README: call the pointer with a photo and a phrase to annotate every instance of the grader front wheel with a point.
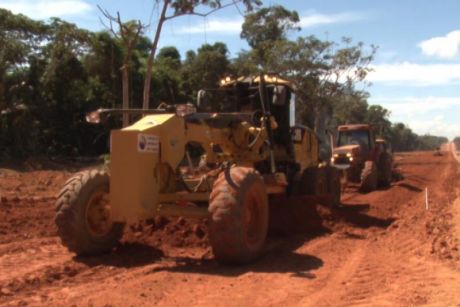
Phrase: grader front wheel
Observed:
(83, 215)
(239, 210)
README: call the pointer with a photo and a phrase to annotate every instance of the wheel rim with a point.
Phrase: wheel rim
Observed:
(252, 217)
(98, 214)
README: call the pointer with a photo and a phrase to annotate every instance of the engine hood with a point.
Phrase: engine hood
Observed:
(346, 149)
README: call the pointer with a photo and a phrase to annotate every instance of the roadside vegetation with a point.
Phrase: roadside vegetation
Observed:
(52, 73)
(457, 142)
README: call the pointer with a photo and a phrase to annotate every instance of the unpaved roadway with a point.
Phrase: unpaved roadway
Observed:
(384, 248)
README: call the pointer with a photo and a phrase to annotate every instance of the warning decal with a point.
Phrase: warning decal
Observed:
(148, 143)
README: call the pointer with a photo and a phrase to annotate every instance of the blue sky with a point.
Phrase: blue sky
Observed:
(416, 70)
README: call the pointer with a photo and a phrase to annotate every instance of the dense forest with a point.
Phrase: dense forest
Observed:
(52, 73)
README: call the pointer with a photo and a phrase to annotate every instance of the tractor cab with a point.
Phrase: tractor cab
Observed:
(238, 100)
(242, 95)
(359, 137)
(355, 144)
(366, 160)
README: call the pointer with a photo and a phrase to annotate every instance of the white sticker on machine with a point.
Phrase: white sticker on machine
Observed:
(148, 143)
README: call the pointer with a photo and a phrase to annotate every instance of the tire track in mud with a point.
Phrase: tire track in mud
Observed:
(390, 274)
(376, 252)
(32, 266)
(396, 268)
(334, 281)
(384, 272)
(20, 262)
(48, 273)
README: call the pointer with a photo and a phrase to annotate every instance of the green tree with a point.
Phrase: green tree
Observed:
(181, 8)
(20, 37)
(128, 34)
(204, 69)
(321, 71)
(456, 141)
(167, 76)
(266, 27)
(377, 116)
(102, 64)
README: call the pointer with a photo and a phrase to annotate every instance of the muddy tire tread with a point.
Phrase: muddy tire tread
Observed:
(71, 225)
(226, 208)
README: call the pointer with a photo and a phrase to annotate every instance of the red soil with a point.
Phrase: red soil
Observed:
(381, 248)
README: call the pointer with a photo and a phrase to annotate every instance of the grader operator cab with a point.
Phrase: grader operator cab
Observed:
(221, 166)
(366, 160)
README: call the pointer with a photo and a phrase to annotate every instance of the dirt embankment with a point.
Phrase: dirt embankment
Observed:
(382, 248)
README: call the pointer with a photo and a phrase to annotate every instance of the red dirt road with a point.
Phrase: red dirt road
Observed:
(382, 249)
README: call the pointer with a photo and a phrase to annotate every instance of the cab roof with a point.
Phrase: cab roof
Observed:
(354, 127)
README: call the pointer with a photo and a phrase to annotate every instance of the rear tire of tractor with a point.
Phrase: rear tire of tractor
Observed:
(83, 215)
(369, 177)
(239, 215)
(335, 186)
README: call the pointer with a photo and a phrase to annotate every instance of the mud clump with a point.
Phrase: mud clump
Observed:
(163, 233)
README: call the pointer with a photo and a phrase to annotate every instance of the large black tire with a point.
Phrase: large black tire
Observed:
(353, 173)
(385, 170)
(239, 209)
(335, 186)
(369, 177)
(83, 215)
(313, 181)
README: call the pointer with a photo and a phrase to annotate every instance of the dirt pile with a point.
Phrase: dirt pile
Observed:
(162, 232)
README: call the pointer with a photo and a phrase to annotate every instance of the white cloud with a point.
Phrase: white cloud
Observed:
(42, 9)
(412, 106)
(444, 47)
(424, 115)
(435, 127)
(233, 25)
(411, 74)
(313, 19)
(223, 26)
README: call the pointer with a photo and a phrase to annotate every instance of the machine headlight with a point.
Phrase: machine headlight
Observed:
(336, 155)
(349, 155)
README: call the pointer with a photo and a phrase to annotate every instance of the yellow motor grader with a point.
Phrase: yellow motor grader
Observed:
(221, 166)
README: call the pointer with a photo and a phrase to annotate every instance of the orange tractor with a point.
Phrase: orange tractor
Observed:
(365, 160)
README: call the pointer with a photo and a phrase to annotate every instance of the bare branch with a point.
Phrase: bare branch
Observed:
(111, 19)
(237, 7)
(106, 14)
(121, 26)
(109, 28)
(203, 14)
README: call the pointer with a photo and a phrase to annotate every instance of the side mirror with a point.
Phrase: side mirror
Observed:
(199, 97)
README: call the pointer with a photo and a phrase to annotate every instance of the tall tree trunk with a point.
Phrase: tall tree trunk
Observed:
(113, 76)
(148, 74)
(125, 80)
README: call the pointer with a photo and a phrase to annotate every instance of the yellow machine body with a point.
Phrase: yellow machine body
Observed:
(145, 159)
(135, 153)
(220, 164)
